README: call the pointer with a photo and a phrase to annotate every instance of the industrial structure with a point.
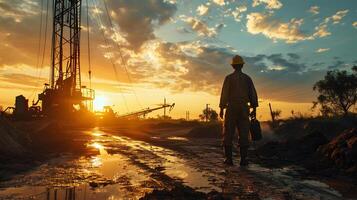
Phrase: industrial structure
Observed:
(65, 90)
(65, 94)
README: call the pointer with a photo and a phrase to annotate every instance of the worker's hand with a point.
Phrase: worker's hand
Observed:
(253, 114)
(221, 114)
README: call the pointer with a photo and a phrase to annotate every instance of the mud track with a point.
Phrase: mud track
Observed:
(157, 164)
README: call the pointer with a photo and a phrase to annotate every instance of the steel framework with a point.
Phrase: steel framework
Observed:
(66, 44)
(65, 89)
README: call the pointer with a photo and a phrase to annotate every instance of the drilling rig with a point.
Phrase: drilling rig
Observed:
(65, 93)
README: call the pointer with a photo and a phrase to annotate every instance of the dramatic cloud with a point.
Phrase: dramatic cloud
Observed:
(337, 64)
(269, 4)
(17, 10)
(237, 13)
(321, 31)
(137, 18)
(321, 50)
(22, 76)
(201, 27)
(194, 66)
(336, 18)
(202, 10)
(219, 2)
(259, 23)
(314, 10)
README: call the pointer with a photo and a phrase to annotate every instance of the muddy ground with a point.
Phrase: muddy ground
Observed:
(149, 161)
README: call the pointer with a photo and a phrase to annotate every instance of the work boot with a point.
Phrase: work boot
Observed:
(243, 156)
(228, 155)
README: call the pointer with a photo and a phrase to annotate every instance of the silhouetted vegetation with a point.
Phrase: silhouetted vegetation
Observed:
(209, 115)
(338, 92)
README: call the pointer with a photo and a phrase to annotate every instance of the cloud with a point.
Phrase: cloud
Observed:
(288, 65)
(314, 10)
(195, 66)
(17, 10)
(336, 18)
(337, 64)
(137, 18)
(21, 76)
(321, 50)
(269, 4)
(290, 32)
(321, 31)
(201, 27)
(237, 13)
(259, 23)
(202, 10)
(219, 2)
(354, 24)
(293, 56)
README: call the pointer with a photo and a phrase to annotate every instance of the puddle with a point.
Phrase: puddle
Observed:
(172, 165)
(177, 138)
(127, 169)
(289, 179)
(108, 176)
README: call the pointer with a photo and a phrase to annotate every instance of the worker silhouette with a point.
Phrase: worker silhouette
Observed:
(238, 90)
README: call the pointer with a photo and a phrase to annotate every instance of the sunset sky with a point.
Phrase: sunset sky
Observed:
(181, 49)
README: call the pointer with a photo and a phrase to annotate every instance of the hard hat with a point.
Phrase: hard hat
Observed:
(237, 59)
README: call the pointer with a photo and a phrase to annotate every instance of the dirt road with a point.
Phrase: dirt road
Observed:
(159, 165)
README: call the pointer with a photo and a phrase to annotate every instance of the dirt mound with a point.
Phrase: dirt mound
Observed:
(330, 127)
(12, 140)
(294, 149)
(342, 151)
(206, 131)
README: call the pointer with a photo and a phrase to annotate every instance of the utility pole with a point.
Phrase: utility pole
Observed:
(187, 115)
(272, 114)
(164, 107)
(207, 109)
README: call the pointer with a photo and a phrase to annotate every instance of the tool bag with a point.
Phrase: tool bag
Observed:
(255, 130)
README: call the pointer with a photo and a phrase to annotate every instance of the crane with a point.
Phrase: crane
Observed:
(145, 111)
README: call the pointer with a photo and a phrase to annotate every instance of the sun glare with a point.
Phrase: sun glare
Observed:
(99, 102)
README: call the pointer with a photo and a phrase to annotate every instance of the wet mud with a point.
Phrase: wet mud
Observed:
(159, 164)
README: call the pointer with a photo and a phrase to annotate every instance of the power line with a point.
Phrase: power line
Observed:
(39, 47)
(100, 24)
(89, 53)
(121, 55)
(39, 71)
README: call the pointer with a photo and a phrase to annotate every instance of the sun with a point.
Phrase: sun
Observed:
(99, 102)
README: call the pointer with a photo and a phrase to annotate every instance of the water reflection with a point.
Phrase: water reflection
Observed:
(120, 170)
(67, 194)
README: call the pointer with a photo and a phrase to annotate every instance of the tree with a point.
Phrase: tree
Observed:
(210, 114)
(337, 92)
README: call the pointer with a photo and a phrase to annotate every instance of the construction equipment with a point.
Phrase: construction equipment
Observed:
(65, 91)
(144, 112)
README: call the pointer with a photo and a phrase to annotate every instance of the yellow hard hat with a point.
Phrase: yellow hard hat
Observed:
(237, 59)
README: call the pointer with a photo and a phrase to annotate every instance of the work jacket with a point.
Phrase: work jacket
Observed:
(238, 89)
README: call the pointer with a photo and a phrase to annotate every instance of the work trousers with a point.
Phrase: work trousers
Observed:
(236, 118)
